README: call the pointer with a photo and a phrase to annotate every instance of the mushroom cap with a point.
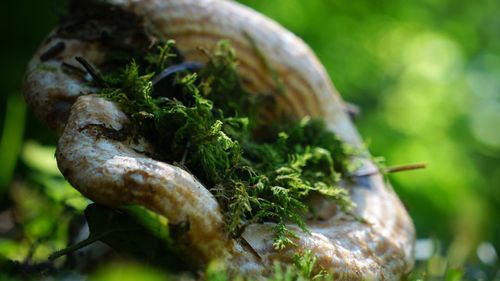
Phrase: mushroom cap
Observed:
(101, 160)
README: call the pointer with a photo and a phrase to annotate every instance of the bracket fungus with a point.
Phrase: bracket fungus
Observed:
(102, 159)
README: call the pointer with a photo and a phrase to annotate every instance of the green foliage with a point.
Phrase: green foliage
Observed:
(160, 58)
(206, 122)
(44, 205)
(380, 55)
(306, 263)
(11, 138)
(304, 268)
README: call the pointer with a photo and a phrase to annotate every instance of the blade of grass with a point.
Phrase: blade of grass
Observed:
(11, 138)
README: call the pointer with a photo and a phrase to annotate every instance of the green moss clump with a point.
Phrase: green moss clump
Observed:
(206, 122)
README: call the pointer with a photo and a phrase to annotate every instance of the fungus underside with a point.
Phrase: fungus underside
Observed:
(206, 122)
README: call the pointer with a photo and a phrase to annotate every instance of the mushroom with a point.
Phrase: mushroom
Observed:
(98, 157)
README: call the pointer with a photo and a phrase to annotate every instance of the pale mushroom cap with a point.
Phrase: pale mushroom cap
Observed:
(115, 171)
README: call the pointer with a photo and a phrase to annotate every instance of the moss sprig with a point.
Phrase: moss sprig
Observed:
(209, 123)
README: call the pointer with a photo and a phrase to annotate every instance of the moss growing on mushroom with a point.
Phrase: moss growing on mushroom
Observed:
(206, 122)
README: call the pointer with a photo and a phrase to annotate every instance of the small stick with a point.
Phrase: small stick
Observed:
(89, 240)
(393, 169)
(402, 168)
(91, 70)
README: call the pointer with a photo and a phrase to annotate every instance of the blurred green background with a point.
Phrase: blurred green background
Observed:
(426, 75)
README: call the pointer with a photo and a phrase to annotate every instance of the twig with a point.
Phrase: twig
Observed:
(393, 169)
(91, 70)
(75, 247)
(402, 168)
(91, 239)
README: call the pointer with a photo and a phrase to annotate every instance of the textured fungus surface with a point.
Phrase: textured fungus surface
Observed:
(100, 159)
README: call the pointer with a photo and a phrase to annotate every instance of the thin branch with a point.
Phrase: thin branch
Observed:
(91, 239)
(76, 246)
(402, 168)
(391, 170)
(91, 70)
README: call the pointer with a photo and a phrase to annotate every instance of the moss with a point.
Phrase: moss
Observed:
(206, 122)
